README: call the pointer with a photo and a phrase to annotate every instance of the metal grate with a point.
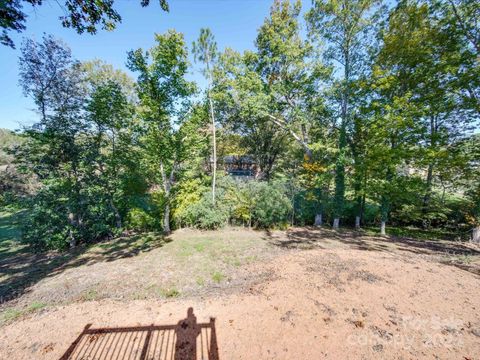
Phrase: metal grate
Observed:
(186, 340)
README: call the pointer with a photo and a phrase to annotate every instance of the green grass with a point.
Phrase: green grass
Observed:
(170, 293)
(90, 295)
(415, 233)
(136, 243)
(10, 233)
(217, 277)
(12, 314)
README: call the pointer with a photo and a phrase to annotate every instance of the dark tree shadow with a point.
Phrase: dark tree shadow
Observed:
(310, 238)
(24, 269)
(187, 340)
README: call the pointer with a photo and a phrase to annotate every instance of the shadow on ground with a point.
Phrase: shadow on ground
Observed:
(309, 238)
(186, 340)
(21, 269)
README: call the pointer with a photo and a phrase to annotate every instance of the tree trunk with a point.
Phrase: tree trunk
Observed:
(167, 182)
(72, 240)
(433, 142)
(214, 149)
(357, 222)
(476, 235)
(384, 209)
(340, 176)
(336, 223)
(428, 191)
(166, 219)
(342, 143)
(318, 220)
(118, 218)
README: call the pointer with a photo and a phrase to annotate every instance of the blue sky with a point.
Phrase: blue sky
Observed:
(233, 22)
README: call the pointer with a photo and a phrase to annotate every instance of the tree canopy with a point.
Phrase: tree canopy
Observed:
(353, 113)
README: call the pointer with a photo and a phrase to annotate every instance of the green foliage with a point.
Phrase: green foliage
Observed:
(366, 117)
(272, 206)
(259, 204)
(204, 215)
(8, 139)
(81, 15)
(140, 220)
(187, 193)
(217, 277)
(49, 222)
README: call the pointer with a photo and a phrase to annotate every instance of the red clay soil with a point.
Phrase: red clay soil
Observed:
(319, 304)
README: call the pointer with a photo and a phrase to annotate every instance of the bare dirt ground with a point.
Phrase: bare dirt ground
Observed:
(301, 294)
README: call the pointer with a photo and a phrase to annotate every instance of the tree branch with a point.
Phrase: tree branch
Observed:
(283, 125)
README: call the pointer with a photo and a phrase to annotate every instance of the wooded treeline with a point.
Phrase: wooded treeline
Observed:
(356, 114)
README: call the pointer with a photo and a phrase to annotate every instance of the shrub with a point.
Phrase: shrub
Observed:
(272, 206)
(204, 215)
(139, 219)
(50, 224)
(186, 194)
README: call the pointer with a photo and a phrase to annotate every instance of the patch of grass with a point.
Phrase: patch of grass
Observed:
(133, 244)
(236, 262)
(35, 306)
(185, 251)
(90, 295)
(200, 281)
(415, 233)
(13, 314)
(217, 277)
(170, 293)
(10, 233)
(200, 247)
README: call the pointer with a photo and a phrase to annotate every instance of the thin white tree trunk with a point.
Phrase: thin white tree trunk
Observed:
(382, 228)
(214, 149)
(166, 186)
(72, 240)
(318, 220)
(166, 218)
(476, 235)
(336, 223)
(357, 222)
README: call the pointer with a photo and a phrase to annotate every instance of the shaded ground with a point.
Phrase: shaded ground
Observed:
(304, 293)
(134, 267)
(464, 255)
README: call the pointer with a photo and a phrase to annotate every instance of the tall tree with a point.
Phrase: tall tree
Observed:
(54, 151)
(81, 15)
(205, 51)
(110, 114)
(426, 60)
(163, 92)
(285, 70)
(345, 27)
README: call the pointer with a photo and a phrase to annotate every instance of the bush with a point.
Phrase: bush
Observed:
(49, 223)
(204, 215)
(138, 219)
(260, 204)
(186, 194)
(272, 206)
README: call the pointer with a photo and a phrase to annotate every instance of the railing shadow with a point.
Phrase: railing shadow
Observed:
(187, 340)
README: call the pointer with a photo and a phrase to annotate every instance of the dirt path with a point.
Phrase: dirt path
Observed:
(333, 304)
